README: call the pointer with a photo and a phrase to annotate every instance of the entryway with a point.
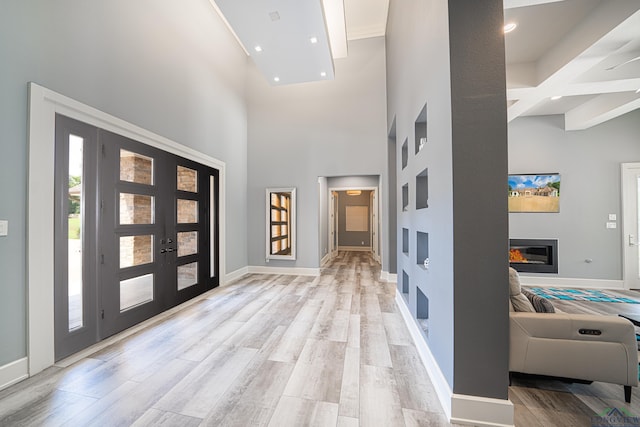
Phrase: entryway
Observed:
(631, 224)
(136, 233)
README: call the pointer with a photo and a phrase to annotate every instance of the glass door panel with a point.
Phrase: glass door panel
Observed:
(136, 209)
(74, 223)
(136, 291)
(187, 243)
(187, 275)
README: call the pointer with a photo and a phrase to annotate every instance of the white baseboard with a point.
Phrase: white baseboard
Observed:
(235, 275)
(443, 390)
(460, 409)
(294, 271)
(567, 282)
(325, 259)
(385, 276)
(481, 411)
(355, 248)
(14, 372)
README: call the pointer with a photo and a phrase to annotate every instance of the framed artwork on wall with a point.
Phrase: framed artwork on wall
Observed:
(534, 193)
(281, 223)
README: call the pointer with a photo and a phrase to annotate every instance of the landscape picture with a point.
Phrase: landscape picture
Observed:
(534, 193)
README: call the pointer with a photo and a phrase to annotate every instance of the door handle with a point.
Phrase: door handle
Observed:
(170, 249)
(631, 240)
(163, 251)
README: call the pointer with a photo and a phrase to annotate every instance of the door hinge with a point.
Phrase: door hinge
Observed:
(101, 204)
(101, 258)
(104, 151)
(102, 314)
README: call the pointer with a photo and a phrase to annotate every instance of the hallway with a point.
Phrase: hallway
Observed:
(270, 350)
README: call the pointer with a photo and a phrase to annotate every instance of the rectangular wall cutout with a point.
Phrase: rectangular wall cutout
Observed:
(405, 285)
(405, 197)
(422, 189)
(422, 242)
(405, 153)
(422, 311)
(421, 130)
(405, 241)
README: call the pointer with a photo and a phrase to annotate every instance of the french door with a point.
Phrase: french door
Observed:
(147, 239)
(631, 224)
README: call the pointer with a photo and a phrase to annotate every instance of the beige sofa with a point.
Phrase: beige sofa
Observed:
(571, 346)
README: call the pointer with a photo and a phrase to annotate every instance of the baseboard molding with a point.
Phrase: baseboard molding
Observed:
(443, 390)
(567, 282)
(14, 372)
(293, 271)
(235, 275)
(355, 248)
(325, 259)
(385, 276)
(481, 411)
(460, 409)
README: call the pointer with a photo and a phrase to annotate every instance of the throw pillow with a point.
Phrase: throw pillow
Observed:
(540, 305)
(521, 303)
(514, 282)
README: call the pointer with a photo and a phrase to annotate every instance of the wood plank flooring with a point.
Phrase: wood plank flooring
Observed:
(268, 350)
(273, 350)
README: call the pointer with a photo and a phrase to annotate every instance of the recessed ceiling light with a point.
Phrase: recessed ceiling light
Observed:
(276, 79)
(510, 27)
(275, 16)
(313, 40)
(323, 74)
(258, 48)
(556, 97)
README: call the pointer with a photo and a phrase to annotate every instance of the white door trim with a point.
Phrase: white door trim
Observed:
(375, 190)
(43, 106)
(630, 231)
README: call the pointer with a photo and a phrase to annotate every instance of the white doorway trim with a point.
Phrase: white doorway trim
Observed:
(43, 106)
(630, 175)
(375, 190)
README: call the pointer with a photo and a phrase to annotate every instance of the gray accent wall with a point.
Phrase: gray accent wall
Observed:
(589, 164)
(449, 56)
(170, 67)
(300, 132)
(353, 238)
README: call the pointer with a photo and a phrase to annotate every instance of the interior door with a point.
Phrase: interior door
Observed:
(631, 224)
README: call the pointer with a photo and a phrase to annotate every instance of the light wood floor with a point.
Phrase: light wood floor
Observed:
(267, 350)
(282, 351)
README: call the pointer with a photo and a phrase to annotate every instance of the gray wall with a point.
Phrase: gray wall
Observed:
(353, 238)
(169, 67)
(300, 132)
(449, 55)
(589, 164)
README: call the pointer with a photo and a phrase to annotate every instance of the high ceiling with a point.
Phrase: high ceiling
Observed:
(581, 50)
(576, 49)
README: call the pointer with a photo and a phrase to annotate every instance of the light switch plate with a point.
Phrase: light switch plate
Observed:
(613, 217)
(4, 227)
(612, 225)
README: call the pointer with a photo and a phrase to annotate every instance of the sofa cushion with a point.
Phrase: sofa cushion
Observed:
(514, 282)
(540, 305)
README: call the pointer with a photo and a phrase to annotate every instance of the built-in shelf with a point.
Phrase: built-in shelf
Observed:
(422, 189)
(405, 197)
(405, 153)
(405, 285)
(405, 241)
(422, 243)
(421, 130)
(422, 311)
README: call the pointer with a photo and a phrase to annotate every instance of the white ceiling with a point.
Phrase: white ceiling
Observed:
(567, 48)
(573, 48)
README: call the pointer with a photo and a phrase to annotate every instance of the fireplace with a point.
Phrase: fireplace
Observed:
(534, 255)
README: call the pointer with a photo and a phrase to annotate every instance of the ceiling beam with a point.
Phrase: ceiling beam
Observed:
(604, 31)
(601, 109)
